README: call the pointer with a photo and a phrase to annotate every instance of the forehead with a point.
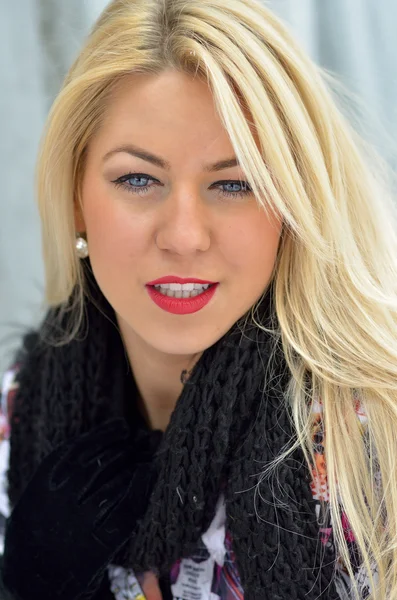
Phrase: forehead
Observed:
(172, 115)
(168, 100)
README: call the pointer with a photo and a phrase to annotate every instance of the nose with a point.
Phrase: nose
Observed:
(184, 226)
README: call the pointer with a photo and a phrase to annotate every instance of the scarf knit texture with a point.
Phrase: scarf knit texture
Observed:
(230, 421)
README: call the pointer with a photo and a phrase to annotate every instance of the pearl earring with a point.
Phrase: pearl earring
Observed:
(81, 247)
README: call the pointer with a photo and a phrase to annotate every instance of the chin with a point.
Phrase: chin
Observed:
(180, 338)
(181, 346)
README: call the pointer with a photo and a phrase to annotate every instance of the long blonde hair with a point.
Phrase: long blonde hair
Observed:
(336, 275)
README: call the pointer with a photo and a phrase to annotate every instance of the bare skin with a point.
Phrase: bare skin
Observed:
(184, 224)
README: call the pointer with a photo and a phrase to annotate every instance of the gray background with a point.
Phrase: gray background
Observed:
(38, 40)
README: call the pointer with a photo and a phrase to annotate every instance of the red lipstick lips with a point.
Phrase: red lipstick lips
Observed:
(175, 279)
(180, 306)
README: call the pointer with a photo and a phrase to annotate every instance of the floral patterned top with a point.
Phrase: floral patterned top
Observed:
(211, 573)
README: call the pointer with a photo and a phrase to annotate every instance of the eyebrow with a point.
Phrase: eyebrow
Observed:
(163, 164)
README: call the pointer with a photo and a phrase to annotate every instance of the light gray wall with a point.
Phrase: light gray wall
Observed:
(38, 41)
(22, 111)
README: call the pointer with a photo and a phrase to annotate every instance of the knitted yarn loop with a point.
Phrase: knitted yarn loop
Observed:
(230, 422)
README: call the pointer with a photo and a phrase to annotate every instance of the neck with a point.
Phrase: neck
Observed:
(157, 376)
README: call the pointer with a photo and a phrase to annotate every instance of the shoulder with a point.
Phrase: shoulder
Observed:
(319, 482)
(8, 389)
(320, 491)
(28, 355)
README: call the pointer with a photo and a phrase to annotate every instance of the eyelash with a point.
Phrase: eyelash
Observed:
(142, 190)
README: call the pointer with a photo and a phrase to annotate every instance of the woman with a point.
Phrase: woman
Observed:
(208, 409)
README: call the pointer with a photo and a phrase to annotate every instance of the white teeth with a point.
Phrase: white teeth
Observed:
(201, 286)
(185, 290)
(185, 287)
(182, 287)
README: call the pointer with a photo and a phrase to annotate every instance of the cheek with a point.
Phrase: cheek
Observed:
(114, 234)
(251, 246)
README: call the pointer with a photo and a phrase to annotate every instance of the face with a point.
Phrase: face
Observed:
(154, 206)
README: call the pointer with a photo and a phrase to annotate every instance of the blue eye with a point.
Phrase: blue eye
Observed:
(138, 183)
(236, 188)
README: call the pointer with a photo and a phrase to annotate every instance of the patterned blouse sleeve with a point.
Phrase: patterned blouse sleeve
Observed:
(321, 494)
(7, 391)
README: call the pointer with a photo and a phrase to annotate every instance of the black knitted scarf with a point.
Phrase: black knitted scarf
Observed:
(229, 423)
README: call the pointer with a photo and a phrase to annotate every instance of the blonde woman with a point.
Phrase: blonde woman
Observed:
(209, 408)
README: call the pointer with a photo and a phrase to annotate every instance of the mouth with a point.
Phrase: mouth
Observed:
(179, 290)
(181, 296)
(180, 287)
